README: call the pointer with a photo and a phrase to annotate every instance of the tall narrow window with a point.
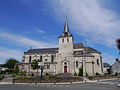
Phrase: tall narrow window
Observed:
(52, 58)
(97, 61)
(76, 63)
(29, 59)
(67, 39)
(40, 57)
(62, 40)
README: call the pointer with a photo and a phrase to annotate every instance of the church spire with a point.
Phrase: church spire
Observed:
(66, 27)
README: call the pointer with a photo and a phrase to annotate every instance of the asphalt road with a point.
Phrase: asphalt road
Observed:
(103, 85)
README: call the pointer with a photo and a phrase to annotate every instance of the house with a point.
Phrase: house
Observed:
(115, 68)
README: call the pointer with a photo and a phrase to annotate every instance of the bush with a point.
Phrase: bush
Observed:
(97, 74)
(80, 71)
(46, 74)
(24, 78)
(87, 74)
(1, 77)
(22, 73)
(51, 76)
(75, 74)
(32, 74)
(14, 75)
(9, 71)
(116, 74)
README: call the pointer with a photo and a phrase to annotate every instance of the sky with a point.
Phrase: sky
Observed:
(38, 23)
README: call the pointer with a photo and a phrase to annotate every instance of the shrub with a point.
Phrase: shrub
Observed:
(14, 75)
(97, 74)
(87, 74)
(9, 71)
(32, 74)
(116, 74)
(80, 71)
(46, 74)
(51, 76)
(1, 77)
(22, 73)
(75, 74)
(24, 78)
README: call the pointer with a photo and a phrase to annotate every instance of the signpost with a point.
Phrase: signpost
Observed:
(41, 65)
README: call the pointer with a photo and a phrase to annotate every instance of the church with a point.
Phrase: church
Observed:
(68, 57)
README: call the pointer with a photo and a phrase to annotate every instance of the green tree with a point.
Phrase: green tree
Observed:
(34, 64)
(11, 64)
(80, 71)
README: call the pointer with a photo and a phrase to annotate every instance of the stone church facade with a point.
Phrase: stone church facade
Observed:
(67, 58)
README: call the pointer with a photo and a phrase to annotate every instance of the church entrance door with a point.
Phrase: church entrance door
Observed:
(65, 69)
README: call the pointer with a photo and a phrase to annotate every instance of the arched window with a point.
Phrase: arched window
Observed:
(52, 58)
(97, 61)
(62, 40)
(29, 59)
(76, 63)
(67, 39)
(40, 57)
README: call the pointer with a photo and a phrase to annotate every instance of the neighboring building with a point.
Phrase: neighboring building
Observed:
(106, 68)
(68, 57)
(2, 68)
(115, 68)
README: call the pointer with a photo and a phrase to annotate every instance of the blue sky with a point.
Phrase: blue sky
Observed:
(38, 23)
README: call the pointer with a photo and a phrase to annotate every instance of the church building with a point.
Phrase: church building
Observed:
(68, 57)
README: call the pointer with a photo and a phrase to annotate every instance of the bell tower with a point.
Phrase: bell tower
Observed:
(66, 40)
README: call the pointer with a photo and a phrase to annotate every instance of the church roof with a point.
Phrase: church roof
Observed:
(42, 51)
(78, 45)
(91, 50)
(55, 50)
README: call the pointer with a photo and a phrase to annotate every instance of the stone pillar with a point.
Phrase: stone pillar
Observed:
(84, 66)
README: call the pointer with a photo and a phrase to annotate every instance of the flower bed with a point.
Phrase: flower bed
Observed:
(46, 80)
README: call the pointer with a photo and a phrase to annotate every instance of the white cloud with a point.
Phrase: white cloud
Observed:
(40, 31)
(98, 24)
(25, 41)
(6, 53)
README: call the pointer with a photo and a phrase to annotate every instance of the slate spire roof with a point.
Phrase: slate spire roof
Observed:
(66, 32)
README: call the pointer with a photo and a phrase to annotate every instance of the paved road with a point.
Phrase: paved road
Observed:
(103, 85)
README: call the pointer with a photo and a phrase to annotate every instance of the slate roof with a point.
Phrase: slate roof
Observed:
(42, 51)
(91, 50)
(78, 45)
(55, 50)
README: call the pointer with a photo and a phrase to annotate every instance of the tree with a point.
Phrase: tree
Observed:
(34, 64)
(11, 64)
(118, 44)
